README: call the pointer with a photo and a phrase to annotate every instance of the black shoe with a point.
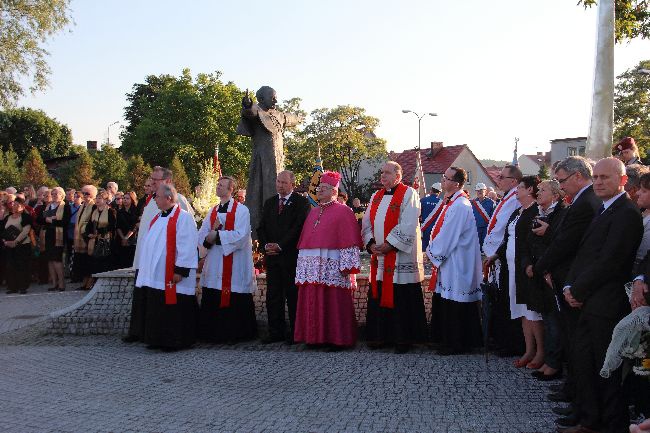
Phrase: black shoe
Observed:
(52, 289)
(567, 421)
(447, 351)
(558, 387)
(402, 348)
(289, 341)
(559, 397)
(23, 292)
(374, 345)
(61, 289)
(130, 339)
(562, 411)
(270, 339)
(549, 377)
(9, 292)
(169, 349)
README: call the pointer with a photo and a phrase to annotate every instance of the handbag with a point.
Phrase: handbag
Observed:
(102, 248)
(10, 233)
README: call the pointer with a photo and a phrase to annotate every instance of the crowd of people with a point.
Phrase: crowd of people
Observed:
(551, 259)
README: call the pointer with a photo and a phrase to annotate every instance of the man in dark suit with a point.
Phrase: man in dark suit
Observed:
(574, 175)
(595, 285)
(283, 216)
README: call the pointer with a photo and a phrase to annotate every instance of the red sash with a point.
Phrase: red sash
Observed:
(148, 199)
(170, 256)
(226, 276)
(480, 209)
(390, 221)
(429, 221)
(493, 221)
(434, 233)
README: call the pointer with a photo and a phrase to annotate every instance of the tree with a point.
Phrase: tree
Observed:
(346, 138)
(186, 117)
(110, 166)
(9, 171)
(34, 171)
(543, 172)
(25, 27)
(78, 172)
(139, 172)
(25, 128)
(181, 182)
(206, 191)
(632, 106)
(632, 18)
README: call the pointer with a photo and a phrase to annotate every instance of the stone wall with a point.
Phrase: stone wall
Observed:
(106, 309)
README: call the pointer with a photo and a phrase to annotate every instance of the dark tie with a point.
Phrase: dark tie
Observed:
(281, 205)
(601, 209)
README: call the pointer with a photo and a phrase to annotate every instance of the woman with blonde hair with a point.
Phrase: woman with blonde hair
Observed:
(53, 220)
(99, 232)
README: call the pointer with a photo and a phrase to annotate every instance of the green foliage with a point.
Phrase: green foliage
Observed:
(9, 170)
(25, 128)
(78, 172)
(632, 18)
(185, 117)
(34, 171)
(181, 182)
(632, 106)
(543, 172)
(110, 166)
(25, 27)
(206, 191)
(139, 171)
(346, 138)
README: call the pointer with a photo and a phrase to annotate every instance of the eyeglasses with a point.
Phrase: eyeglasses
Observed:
(323, 188)
(504, 177)
(561, 181)
(449, 179)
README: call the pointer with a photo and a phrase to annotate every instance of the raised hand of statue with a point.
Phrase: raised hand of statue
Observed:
(246, 101)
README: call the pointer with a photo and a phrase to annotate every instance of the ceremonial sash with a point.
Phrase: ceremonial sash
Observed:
(226, 276)
(100, 219)
(390, 221)
(479, 208)
(170, 256)
(433, 216)
(58, 231)
(434, 233)
(148, 199)
(493, 221)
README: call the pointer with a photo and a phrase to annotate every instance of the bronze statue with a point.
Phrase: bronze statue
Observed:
(265, 125)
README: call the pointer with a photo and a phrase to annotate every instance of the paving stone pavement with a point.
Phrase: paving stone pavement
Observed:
(99, 384)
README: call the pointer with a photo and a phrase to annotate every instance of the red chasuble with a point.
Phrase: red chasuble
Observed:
(226, 276)
(170, 256)
(390, 221)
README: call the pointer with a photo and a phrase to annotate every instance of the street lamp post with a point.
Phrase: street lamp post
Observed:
(419, 124)
(108, 132)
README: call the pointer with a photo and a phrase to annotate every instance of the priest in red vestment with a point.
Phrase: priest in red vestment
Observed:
(328, 256)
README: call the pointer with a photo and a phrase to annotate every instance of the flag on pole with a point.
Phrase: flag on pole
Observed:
(418, 177)
(315, 180)
(216, 167)
(515, 159)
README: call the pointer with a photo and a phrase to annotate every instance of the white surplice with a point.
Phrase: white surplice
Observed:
(494, 238)
(405, 236)
(455, 251)
(153, 253)
(236, 242)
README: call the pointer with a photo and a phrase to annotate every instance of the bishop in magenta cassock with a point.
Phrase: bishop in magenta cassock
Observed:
(328, 256)
(456, 256)
(227, 310)
(168, 261)
(391, 233)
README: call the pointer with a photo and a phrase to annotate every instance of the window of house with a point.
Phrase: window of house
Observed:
(581, 151)
(571, 151)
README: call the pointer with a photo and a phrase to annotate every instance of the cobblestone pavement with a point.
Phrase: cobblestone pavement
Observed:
(87, 384)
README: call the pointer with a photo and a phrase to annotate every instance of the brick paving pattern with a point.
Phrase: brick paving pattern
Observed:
(96, 383)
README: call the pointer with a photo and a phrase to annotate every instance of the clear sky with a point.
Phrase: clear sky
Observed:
(491, 70)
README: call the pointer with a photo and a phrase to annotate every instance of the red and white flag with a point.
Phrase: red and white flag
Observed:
(418, 177)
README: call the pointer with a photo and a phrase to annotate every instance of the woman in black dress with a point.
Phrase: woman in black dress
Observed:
(99, 232)
(15, 230)
(54, 220)
(127, 235)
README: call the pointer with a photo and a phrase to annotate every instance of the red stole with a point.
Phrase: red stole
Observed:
(479, 208)
(148, 199)
(170, 256)
(390, 221)
(226, 276)
(434, 233)
(493, 221)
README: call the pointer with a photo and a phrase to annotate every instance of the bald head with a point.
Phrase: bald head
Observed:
(609, 178)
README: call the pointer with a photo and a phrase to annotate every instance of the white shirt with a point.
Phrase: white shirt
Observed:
(580, 192)
(608, 203)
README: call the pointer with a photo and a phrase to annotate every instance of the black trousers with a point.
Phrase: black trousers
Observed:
(406, 323)
(18, 267)
(138, 312)
(601, 402)
(281, 287)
